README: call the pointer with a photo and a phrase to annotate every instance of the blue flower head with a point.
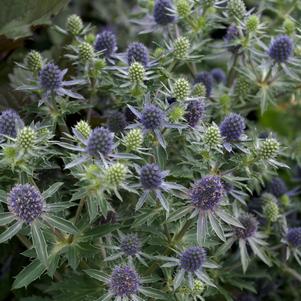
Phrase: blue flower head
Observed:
(281, 48)
(206, 79)
(293, 237)
(130, 245)
(195, 111)
(151, 176)
(192, 259)
(26, 202)
(100, 142)
(8, 120)
(124, 282)
(106, 42)
(137, 52)
(207, 193)
(162, 13)
(232, 127)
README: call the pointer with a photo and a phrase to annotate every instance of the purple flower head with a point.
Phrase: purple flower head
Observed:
(232, 127)
(152, 117)
(281, 48)
(116, 122)
(230, 37)
(130, 245)
(124, 282)
(218, 75)
(206, 79)
(8, 120)
(151, 177)
(162, 14)
(207, 193)
(106, 42)
(137, 52)
(192, 259)
(277, 187)
(99, 142)
(51, 77)
(293, 237)
(250, 224)
(195, 110)
(26, 202)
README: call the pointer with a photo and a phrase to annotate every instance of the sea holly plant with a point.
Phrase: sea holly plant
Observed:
(170, 130)
(27, 207)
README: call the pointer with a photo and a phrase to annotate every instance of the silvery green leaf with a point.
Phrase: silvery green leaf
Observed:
(217, 228)
(179, 278)
(153, 293)
(98, 275)
(227, 218)
(39, 243)
(30, 273)
(52, 190)
(204, 277)
(260, 253)
(6, 218)
(61, 224)
(11, 231)
(243, 255)
(201, 228)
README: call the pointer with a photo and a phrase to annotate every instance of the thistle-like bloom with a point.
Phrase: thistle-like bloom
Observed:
(194, 112)
(137, 52)
(250, 227)
(26, 202)
(152, 181)
(192, 262)
(130, 245)
(231, 38)
(281, 49)
(206, 79)
(293, 237)
(206, 200)
(236, 10)
(218, 75)
(232, 127)
(106, 42)
(248, 235)
(124, 282)
(277, 187)
(99, 145)
(74, 24)
(9, 121)
(163, 12)
(116, 122)
(27, 205)
(51, 81)
(100, 142)
(34, 61)
(207, 193)
(153, 119)
(192, 259)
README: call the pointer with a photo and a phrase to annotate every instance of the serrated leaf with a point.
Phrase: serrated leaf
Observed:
(61, 224)
(52, 190)
(6, 218)
(154, 293)
(98, 275)
(29, 274)
(11, 231)
(39, 243)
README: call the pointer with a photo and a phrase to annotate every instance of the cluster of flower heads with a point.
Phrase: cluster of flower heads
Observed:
(159, 123)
